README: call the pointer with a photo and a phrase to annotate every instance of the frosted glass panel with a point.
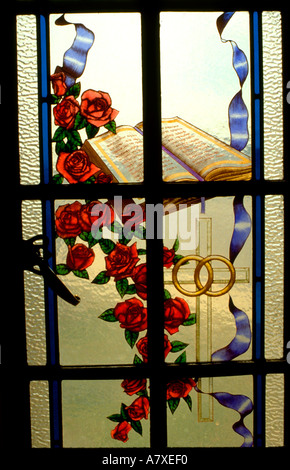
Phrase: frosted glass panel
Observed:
(207, 322)
(34, 290)
(200, 90)
(273, 94)
(186, 428)
(27, 70)
(274, 410)
(108, 276)
(274, 276)
(97, 104)
(88, 404)
(39, 409)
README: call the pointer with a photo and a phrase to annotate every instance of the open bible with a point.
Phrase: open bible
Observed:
(188, 154)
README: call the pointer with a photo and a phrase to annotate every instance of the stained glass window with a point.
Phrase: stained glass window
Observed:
(149, 190)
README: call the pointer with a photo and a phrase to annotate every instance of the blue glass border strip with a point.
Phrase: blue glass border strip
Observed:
(256, 53)
(43, 55)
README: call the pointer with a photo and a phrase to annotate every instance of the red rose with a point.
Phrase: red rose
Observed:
(142, 347)
(139, 409)
(76, 167)
(168, 256)
(120, 263)
(96, 108)
(179, 388)
(133, 386)
(89, 214)
(121, 431)
(67, 220)
(176, 311)
(58, 83)
(65, 112)
(131, 314)
(103, 178)
(79, 257)
(139, 277)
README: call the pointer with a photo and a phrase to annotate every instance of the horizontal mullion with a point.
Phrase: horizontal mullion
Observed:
(166, 372)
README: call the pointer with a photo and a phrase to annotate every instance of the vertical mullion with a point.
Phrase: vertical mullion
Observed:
(152, 182)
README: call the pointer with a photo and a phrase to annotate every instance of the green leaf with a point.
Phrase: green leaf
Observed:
(181, 359)
(137, 360)
(101, 278)
(111, 126)
(117, 418)
(108, 316)
(173, 404)
(140, 232)
(137, 426)
(121, 286)
(167, 294)
(191, 320)
(57, 179)
(62, 269)
(92, 241)
(82, 274)
(116, 227)
(91, 131)
(80, 122)
(74, 90)
(74, 139)
(124, 240)
(55, 99)
(107, 245)
(141, 251)
(176, 245)
(59, 134)
(188, 401)
(131, 289)
(123, 412)
(177, 258)
(131, 337)
(69, 241)
(178, 346)
(62, 147)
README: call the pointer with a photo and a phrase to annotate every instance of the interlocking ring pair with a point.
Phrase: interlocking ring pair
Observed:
(203, 262)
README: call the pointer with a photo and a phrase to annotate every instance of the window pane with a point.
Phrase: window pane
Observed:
(87, 406)
(27, 75)
(101, 257)
(275, 410)
(98, 101)
(204, 416)
(273, 94)
(39, 409)
(274, 276)
(200, 90)
(34, 290)
(215, 323)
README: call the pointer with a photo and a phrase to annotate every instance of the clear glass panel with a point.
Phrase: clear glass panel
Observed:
(274, 276)
(97, 97)
(201, 413)
(39, 409)
(208, 280)
(101, 257)
(205, 109)
(275, 410)
(34, 290)
(100, 414)
(273, 94)
(27, 78)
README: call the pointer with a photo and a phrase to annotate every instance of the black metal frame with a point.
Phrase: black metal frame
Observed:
(16, 374)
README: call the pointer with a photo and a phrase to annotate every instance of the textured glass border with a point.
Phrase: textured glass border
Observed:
(27, 83)
(39, 414)
(274, 410)
(273, 94)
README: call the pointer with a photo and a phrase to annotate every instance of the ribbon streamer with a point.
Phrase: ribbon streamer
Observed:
(75, 58)
(242, 228)
(240, 403)
(238, 113)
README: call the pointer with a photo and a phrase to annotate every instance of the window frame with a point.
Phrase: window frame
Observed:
(16, 373)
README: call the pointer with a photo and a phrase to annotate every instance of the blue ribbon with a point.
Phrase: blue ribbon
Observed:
(238, 113)
(240, 403)
(75, 58)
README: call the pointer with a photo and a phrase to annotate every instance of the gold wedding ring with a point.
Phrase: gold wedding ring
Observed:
(204, 262)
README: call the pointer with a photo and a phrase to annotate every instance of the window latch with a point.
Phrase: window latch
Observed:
(35, 257)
